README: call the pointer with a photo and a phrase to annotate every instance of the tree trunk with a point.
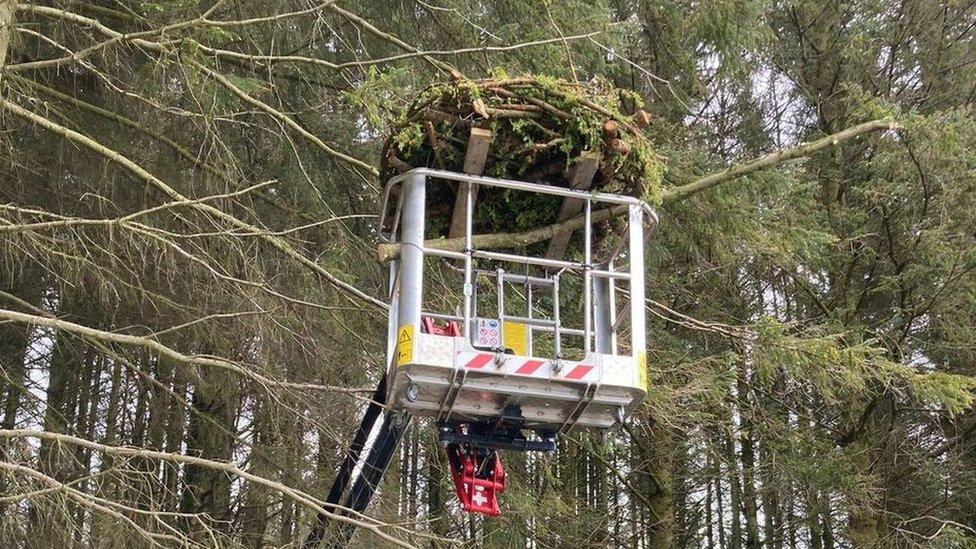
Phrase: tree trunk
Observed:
(436, 494)
(7, 9)
(719, 507)
(290, 474)
(708, 509)
(109, 462)
(601, 474)
(864, 528)
(413, 494)
(772, 513)
(14, 340)
(254, 515)
(13, 346)
(87, 408)
(748, 461)
(662, 501)
(873, 457)
(791, 525)
(174, 439)
(735, 491)
(68, 358)
(827, 529)
(207, 491)
(403, 485)
(813, 519)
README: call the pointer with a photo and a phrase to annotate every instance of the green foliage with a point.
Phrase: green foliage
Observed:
(847, 373)
(816, 463)
(541, 126)
(952, 536)
(248, 84)
(953, 393)
(812, 334)
(589, 108)
(376, 96)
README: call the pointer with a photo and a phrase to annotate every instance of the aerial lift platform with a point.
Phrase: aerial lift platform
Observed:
(515, 376)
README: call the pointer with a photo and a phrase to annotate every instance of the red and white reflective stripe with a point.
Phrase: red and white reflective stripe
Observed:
(574, 372)
(579, 372)
(529, 367)
(479, 361)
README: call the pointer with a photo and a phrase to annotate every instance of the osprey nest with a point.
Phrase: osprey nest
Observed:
(535, 129)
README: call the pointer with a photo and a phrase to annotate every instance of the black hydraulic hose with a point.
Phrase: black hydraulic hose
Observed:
(380, 455)
(349, 462)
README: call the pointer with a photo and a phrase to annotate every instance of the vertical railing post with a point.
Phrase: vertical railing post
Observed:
(638, 341)
(557, 337)
(469, 292)
(612, 300)
(501, 307)
(528, 314)
(587, 280)
(602, 314)
(412, 252)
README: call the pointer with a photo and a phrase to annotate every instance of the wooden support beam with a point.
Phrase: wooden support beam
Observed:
(580, 179)
(474, 163)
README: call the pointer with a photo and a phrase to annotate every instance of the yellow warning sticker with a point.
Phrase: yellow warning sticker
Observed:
(642, 370)
(404, 346)
(516, 337)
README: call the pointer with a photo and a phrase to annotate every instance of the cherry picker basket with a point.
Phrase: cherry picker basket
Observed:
(504, 379)
(494, 362)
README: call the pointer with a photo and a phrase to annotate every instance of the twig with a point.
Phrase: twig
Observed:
(387, 252)
(804, 149)
(157, 347)
(295, 494)
(141, 173)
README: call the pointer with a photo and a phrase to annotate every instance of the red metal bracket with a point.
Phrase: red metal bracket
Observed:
(478, 478)
(429, 326)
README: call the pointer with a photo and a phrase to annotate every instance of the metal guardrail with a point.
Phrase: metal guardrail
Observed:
(410, 210)
(597, 197)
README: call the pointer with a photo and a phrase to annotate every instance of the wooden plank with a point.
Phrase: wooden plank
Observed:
(580, 178)
(474, 163)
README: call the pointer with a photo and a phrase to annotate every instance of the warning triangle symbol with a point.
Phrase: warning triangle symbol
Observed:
(404, 337)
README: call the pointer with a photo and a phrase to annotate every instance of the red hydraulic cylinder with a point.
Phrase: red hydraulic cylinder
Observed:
(478, 481)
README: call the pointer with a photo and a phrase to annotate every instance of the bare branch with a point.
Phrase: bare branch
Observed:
(153, 345)
(164, 49)
(87, 500)
(285, 119)
(392, 39)
(137, 170)
(387, 252)
(269, 19)
(295, 494)
(768, 161)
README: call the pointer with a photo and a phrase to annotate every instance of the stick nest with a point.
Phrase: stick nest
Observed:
(541, 128)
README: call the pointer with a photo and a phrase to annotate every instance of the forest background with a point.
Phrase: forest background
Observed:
(192, 314)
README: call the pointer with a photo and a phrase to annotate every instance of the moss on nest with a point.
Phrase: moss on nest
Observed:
(541, 127)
